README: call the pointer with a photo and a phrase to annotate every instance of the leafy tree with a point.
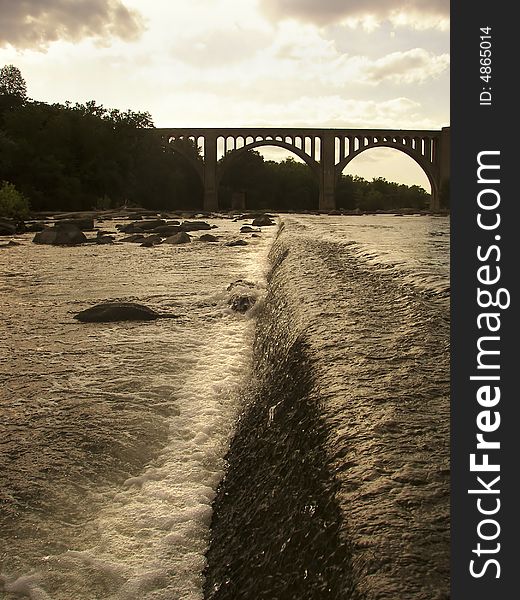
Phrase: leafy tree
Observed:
(13, 204)
(12, 83)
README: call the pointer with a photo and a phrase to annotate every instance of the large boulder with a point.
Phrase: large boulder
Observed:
(82, 223)
(263, 221)
(119, 311)
(179, 238)
(69, 235)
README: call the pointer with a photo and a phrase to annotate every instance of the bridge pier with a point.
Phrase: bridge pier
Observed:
(327, 199)
(210, 174)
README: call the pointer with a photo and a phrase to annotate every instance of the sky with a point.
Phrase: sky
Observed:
(233, 63)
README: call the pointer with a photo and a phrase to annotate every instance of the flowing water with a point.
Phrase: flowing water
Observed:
(113, 437)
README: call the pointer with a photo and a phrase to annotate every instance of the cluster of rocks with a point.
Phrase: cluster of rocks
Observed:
(70, 232)
(68, 229)
(159, 231)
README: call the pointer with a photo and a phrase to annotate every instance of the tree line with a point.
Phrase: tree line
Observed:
(293, 185)
(85, 156)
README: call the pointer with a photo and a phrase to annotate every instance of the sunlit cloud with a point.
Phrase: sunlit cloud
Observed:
(414, 66)
(38, 23)
(367, 13)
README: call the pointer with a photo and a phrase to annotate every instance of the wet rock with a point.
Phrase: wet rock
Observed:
(65, 235)
(134, 239)
(104, 239)
(167, 230)
(130, 228)
(263, 221)
(8, 227)
(139, 227)
(151, 225)
(241, 303)
(179, 238)
(151, 240)
(237, 243)
(195, 225)
(10, 244)
(207, 237)
(119, 311)
(247, 229)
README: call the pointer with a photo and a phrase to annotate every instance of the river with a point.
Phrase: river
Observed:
(300, 450)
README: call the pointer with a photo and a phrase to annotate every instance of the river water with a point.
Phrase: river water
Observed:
(325, 406)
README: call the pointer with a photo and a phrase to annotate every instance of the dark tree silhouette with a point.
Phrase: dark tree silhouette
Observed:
(12, 83)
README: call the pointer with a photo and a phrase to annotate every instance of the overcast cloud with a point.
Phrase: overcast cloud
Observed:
(419, 13)
(36, 23)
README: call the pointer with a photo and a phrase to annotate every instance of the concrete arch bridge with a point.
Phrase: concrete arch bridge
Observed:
(326, 151)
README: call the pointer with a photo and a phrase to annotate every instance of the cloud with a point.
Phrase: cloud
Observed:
(296, 59)
(416, 13)
(413, 66)
(219, 47)
(37, 23)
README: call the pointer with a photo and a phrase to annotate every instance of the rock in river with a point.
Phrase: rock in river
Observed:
(119, 311)
(63, 235)
(207, 237)
(178, 238)
(263, 221)
(237, 243)
(241, 302)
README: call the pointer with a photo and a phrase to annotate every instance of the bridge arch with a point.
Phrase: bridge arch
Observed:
(302, 187)
(233, 155)
(427, 167)
(183, 148)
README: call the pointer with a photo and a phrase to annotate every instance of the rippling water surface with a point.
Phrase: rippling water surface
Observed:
(113, 436)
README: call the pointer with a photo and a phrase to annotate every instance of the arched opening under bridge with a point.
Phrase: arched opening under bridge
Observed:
(268, 174)
(186, 175)
(383, 178)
